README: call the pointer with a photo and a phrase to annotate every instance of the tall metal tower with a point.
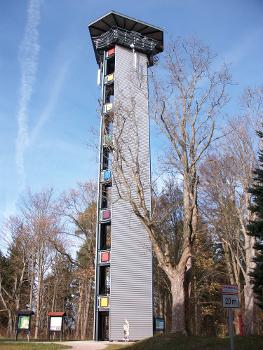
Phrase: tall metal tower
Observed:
(124, 49)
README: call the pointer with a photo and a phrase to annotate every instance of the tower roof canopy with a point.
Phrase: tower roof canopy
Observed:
(126, 23)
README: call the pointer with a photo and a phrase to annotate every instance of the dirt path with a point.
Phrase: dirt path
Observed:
(86, 345)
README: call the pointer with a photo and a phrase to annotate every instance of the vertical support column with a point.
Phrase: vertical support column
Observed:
(103, 239)
(95, 328)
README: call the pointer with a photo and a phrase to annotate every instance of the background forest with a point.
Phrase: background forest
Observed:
(198, 226)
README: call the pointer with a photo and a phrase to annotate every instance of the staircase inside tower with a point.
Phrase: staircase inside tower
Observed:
(104, 229)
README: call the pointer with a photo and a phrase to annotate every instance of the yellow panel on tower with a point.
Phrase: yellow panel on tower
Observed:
(104, 302)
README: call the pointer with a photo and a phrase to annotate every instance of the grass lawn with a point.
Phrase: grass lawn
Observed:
(170, 342)
(12, 345)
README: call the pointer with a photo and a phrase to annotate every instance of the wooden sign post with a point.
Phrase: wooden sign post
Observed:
(23, 322)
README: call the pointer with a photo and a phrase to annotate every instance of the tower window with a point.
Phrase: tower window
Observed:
(108, 127)
(109, 93)
(105, 236)
(106, 197)
(104, 285)
(110, 64)
(107, 159)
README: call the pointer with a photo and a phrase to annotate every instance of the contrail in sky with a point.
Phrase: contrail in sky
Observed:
(28, 59)
(57, 84)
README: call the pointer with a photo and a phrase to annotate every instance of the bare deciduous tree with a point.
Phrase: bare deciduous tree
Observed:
(42, 224)
(188, 102)
(14, 279)
(226, 176)
(78, 207)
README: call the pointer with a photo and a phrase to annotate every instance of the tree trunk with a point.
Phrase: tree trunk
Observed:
(38, 309)
(80, 302)
(87, 306)
(249, 316)
(249, 312)
(9, 330)
(32, 281)
(178, 303)
(10, 324)
(54, 297)
(195, 323)
(84, 312)
(39, 288)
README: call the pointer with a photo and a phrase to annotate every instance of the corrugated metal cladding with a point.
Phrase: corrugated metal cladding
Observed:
(131, 252)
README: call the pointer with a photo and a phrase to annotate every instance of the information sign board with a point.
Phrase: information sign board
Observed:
(230, 301)
(55, 323)
(159, 324)
(23, 322)
(229, 289)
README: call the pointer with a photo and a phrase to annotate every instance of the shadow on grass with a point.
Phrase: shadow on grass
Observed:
(171, 342)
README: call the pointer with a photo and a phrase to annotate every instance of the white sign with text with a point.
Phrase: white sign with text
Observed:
(55, 323)
(229, 289)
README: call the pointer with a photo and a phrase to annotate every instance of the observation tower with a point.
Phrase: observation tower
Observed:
(124, 49)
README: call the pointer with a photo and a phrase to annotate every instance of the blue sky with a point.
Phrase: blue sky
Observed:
(48, 91)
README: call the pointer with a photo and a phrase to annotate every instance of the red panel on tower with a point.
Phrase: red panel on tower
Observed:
(110, 52)
(106, 214)
(105, 257)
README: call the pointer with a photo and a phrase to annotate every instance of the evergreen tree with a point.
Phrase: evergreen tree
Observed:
(255, 227)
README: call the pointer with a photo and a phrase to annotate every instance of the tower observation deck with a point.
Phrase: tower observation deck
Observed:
(124, 49)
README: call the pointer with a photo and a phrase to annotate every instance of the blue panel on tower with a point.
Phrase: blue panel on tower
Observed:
(106, 175)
